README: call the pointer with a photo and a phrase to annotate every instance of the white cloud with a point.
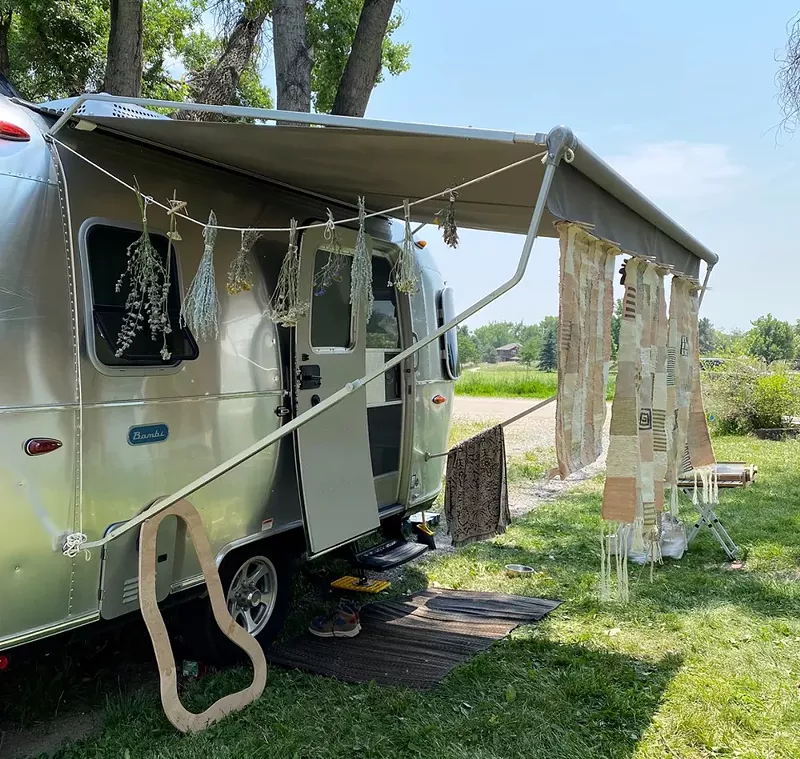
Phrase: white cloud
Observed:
(679, 170)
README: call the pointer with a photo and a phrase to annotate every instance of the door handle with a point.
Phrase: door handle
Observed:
(414, 339)
(310, 377)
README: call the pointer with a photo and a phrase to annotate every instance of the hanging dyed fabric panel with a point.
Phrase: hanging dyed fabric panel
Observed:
(660, 437)
(586, 305)
(679, 384)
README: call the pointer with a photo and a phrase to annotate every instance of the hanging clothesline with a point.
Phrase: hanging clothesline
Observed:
(319, 225)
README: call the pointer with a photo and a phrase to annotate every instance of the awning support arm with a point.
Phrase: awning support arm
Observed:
(558, 141)
(515, 418)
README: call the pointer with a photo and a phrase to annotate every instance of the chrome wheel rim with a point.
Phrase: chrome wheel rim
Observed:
(252, 594)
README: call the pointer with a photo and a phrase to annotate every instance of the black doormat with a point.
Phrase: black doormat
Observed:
(414, 641)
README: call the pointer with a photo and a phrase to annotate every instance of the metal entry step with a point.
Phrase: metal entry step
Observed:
(389, 555)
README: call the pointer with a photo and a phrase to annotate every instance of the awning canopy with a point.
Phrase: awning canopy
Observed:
(387, 165)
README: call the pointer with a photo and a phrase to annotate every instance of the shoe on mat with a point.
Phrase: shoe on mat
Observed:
(340, 623)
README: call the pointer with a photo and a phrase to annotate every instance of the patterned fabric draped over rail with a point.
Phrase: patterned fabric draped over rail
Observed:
(476, 492)
(586, 305)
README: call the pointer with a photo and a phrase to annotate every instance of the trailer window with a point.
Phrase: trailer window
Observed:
(383, 330)
(449, 340)
(107, 255)
(331, 313)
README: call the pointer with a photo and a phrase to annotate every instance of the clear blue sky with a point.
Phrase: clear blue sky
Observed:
(679, 98)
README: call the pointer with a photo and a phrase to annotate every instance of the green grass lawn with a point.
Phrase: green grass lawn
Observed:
(511, 380)
(704, 662)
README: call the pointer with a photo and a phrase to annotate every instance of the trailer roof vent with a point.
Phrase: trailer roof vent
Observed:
(103, 108)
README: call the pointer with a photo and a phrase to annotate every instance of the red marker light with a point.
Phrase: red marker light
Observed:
(9, 131)
(439, 399)
(3, 662)
(36, 446)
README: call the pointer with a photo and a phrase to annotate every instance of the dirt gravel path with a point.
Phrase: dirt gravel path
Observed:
(534, 432)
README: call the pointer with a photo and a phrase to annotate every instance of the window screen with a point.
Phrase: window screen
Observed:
(107, 255)
(382, 329)
(331, 313)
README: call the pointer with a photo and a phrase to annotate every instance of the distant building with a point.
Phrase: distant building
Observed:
(509, 352)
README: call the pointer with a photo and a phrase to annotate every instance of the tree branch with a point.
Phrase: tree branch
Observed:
(364, 63)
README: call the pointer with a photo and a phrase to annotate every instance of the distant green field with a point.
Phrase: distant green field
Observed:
(511, 380)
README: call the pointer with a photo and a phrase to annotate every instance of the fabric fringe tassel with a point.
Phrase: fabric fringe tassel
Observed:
(404, 273)
(361, 296)
(240, 275)
(614, 556)
(200, 310)
(285, 306)
(673, 501)
(637, 544)
(333, 269)
(446, 221)
(148, 289)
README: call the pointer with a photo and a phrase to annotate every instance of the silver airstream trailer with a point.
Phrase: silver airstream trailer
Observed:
(89, 438)
(289, 441)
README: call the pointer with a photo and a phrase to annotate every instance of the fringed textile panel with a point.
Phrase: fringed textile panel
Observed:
(701, 452)
(586, 304)
(622, 490)
(679, 382)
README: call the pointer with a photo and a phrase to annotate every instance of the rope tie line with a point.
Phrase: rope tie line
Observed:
(318, 225)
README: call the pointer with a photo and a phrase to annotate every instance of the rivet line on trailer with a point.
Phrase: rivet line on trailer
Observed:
(320, 225)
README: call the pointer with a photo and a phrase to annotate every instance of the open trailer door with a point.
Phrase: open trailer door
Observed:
(339, 501)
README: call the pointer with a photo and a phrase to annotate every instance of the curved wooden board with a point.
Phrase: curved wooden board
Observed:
(177, 714)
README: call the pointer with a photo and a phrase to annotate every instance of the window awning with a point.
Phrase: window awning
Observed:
(398, 161)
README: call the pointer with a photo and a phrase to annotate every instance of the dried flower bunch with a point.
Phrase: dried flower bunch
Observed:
(285, 306)
(404, 274)
(148, 289)
(333, 269)
(446, 221)
(240, 275)
(201, 306)
(361, 295)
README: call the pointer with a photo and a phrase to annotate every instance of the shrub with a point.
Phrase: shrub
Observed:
(743, 395)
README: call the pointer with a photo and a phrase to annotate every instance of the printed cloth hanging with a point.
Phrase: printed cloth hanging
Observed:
(586, 304)
(660, 438)
(679, 384)
(476, 491)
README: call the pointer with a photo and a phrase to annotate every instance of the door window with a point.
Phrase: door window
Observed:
(383, 330)
(331, 312)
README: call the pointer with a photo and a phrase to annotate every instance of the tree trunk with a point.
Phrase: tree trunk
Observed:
(5, 26)
(124, 61)
(220, 84)
(364, 62)
(292, 55)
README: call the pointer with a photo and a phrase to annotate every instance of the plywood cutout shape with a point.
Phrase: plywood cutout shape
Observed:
(177, 714)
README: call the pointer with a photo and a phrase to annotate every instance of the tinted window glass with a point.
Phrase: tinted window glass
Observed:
(331, 313)
(382, 329)
(447, 311)
(107, 254)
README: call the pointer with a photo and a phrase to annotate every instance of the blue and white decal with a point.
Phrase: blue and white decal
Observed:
(144, 434)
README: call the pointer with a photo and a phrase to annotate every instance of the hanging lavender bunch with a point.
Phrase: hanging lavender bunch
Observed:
(332, 270)
(361, 295)
(446, 221)
(200, 310)
(240, 275)
(404, 273)
(148, 289)
(285, 306)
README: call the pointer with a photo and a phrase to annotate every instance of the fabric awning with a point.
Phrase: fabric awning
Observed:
(386, 167)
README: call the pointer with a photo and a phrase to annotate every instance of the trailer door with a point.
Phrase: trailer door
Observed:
(339, 502)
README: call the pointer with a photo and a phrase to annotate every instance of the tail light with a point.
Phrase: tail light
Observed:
(36, 446)
(12, 132)
(3, 662)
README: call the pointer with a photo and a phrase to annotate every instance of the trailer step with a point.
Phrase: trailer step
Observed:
(389, 555)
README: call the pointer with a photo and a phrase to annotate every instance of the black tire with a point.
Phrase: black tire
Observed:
(215, 648)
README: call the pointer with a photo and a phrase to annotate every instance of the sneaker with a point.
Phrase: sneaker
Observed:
(342, 622)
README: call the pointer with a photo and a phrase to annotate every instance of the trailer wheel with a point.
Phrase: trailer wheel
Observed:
(257, 583)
